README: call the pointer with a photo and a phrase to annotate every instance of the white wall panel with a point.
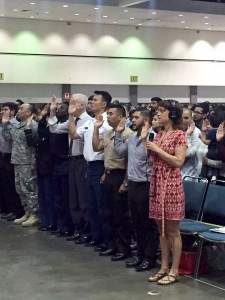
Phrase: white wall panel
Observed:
(32, 93)
(118, 92)
(56, 38)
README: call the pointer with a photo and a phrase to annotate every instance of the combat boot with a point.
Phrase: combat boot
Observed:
(32, 221)
(23, 219)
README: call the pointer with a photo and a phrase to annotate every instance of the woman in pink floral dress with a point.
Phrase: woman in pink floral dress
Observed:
(166, 188)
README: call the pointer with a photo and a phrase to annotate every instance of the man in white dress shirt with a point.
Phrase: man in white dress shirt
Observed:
(95, 168)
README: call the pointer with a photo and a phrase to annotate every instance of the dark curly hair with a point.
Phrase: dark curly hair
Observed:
(177, 123)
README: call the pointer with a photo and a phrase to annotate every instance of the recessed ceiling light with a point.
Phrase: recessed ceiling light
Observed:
(65, 5)
(209, 28)
(32, 3)
(96, 8)
(187, 27)
(206, 17)
(158, 20)
(114, 22)
(76, 14)
(126, 10)
(105, 16)
(181, 15)
(154, 13)
(32, 17)
(88, 20)
(46, 12)
(61, 19)
(206, 23)
(131, 19)
(15, 9)
(2, 15)
(182, 22)
(140, 24)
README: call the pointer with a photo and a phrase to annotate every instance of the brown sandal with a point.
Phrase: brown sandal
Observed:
(168, 279)
(157, 276)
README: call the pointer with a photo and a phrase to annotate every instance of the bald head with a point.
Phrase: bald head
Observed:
(24, 112)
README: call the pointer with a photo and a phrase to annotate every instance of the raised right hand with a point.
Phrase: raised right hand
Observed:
(121, 126)
(220, 133)
(145, 130)
(99, 121)
(5, 117)
(72, 107)
(53, 105)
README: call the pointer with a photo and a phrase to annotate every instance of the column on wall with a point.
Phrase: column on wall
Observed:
(133, 94)
(193, 94)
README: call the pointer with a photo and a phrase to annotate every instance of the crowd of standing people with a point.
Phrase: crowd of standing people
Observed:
(107, 176)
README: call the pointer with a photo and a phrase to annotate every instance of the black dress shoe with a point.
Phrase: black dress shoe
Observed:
(101, 247)
(64, 234)
(55, 231)
(92, 244)
(74, 237)
(42, 227)
(136, 261)
(146, 265)
(51, 228)
(11, 217)
(107, 252)
(82, 240)
(5, 216)
(119, 256)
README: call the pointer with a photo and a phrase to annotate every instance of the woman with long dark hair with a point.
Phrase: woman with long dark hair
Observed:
(166, 188)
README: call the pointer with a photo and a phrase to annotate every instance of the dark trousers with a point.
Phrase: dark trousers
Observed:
(118, 211)
(61, 199)
(10, 195)
(146, 229)
(97, 207)
(3, 203)
(46, 200)
(77, 195)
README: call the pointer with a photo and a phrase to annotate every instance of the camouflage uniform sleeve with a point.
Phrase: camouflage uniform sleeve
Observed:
(6, 131)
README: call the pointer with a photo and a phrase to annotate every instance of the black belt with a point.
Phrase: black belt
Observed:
(76, 157)
(115, 171)
(138, 183)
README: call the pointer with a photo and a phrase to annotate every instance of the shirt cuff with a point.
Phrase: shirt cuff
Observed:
(52, 121)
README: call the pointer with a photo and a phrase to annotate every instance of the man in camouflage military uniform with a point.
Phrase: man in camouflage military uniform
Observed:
(23, 158)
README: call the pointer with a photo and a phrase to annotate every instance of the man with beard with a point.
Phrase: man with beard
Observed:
(190, 166)
(138, 192)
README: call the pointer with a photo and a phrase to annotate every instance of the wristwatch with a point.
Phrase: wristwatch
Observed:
(125, 184)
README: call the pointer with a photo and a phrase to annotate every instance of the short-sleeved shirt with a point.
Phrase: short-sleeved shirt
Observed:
(113, 160)
(86, 132)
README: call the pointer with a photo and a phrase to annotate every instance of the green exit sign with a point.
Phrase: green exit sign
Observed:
(133, 78)
(1, 76)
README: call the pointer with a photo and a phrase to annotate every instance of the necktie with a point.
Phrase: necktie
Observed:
(71, 140)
